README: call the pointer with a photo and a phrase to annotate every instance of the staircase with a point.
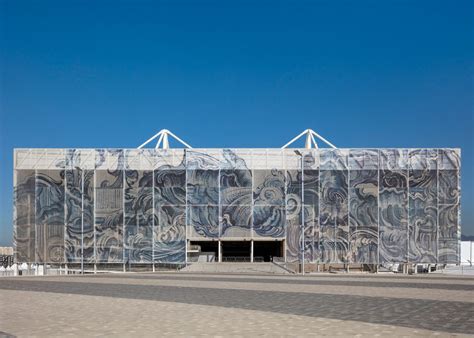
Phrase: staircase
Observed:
(266, 268)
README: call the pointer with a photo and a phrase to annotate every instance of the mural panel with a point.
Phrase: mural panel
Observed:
(236, 202)
(170, 186)
(169, 242)
(269, 203)
(333, 216)
(24, 215)
(50, 214)
(363, 202)
(393, 216)
(202, 184)
(422, 216)
(73, 234)
(109, 216)
(448, 189)
(448, 212)
(138, 216)
(293, 215)
(88, 216)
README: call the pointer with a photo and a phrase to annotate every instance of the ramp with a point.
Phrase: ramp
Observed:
(269, 268)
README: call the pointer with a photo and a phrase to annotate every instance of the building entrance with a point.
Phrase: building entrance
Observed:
(266, 251)
(236, 251)
(203, 251)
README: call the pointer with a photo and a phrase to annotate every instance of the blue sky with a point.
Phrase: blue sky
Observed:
(236, 74)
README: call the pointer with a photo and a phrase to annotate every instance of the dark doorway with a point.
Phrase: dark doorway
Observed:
(267, 250)
(205, 251)
(235, 251)
(210, 246)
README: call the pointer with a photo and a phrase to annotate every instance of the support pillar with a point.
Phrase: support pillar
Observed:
(219, 251)
(153, 267)
(251, 251)
(95, 268)
(66, 270)
(124, 267)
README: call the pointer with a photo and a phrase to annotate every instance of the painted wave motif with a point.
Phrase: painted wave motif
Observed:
(24, 215)
(109, 216)
(49, 218)
(236, 201)
(269, 203)
(363, 216)
(140, 206)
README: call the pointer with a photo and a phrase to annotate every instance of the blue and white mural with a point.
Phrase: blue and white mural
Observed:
(361, 206)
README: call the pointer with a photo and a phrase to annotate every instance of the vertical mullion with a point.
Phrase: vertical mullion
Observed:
(123, 214)
(408, 205)
(64, 215)
(437, 207)
(186, 206)
(252, 232)
(378, 206)
(349, 193)
(458, 230)
(319, 205)
(219, 206)
(94, 216)
(82, 221)
(153, 216)
(36, 228)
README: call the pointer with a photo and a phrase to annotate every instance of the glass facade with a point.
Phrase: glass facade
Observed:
(355, 206)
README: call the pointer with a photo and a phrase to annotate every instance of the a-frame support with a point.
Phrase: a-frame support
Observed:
(163, 141)
(310, 140)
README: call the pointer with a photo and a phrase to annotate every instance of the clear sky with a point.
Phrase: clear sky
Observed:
(236, 74)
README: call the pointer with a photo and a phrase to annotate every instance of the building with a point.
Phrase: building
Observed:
(162, 205)
(6, 256)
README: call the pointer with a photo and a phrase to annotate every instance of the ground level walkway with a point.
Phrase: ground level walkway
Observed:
(209, 304)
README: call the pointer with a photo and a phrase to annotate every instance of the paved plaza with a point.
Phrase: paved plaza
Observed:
(223, 305)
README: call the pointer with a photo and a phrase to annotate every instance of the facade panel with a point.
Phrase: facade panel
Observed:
(50, 215)
(24, 215)
(109, 216)
(73, 237)
(138, 233)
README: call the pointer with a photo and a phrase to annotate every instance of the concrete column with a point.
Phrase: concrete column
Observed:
(153, 267)
(124, 267)
(95, 268)
(219, 251)
(66, 270)
(251, 251)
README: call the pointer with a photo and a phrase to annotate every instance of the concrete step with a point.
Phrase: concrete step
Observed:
(270, 268)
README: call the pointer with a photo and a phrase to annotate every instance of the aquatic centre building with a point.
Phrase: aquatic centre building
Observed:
(163, 205)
